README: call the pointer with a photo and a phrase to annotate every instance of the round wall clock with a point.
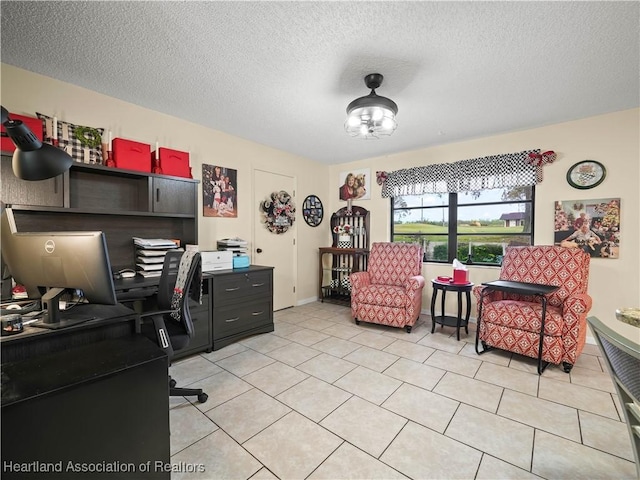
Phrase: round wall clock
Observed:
(586, 174)
(312, 211)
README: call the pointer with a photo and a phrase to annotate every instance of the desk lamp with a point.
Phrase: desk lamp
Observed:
(32, 159)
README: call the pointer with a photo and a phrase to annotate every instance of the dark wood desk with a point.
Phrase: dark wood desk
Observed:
(522, 288)
(112, 321)
(94, 394)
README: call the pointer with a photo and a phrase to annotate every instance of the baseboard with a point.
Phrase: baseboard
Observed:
(304, 301)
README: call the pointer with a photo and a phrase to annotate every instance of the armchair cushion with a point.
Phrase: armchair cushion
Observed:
(390, 291)
(512, 322)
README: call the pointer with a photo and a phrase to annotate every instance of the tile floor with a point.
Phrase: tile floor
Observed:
(323, 398)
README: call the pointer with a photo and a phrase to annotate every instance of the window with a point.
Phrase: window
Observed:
(454, 225)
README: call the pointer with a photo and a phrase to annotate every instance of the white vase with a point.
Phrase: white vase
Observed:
(344, 241)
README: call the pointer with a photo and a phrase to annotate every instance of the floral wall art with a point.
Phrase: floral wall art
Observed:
(278, 212)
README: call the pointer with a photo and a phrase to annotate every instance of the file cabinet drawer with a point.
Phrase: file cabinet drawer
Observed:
(238, 287)
(232, 319)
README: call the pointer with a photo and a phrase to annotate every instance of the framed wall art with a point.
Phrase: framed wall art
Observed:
(219, 191)
(586, 174)
(355, 185)
(312, 210)
(592, 225)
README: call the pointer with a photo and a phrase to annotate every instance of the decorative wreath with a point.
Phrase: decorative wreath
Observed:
(279, 212)
(88, 136)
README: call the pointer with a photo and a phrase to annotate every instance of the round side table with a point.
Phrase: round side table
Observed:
(448, 320)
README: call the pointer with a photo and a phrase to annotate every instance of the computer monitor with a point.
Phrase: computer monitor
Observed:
(47, 264)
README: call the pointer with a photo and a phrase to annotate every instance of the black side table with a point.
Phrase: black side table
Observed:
(447, 320)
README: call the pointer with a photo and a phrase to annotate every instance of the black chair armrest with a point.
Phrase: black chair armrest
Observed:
(162, 335)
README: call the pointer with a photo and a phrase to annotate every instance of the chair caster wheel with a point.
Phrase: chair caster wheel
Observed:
(357, 322)
(407, 328)
(172, 383)
(203, 397)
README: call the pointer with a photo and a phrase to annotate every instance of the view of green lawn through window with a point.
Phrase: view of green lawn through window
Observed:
(454, 225)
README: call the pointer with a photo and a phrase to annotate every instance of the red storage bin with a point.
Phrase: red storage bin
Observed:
(173, 162)
(131, 155)
(34, 124)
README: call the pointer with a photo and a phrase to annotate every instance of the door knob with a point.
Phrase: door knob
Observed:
(259, 250)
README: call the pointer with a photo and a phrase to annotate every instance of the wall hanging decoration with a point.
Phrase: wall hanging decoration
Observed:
(344, 232)
(219, 191)
(538, 159)
(312, 211)
(586, 174)
(592, 225)
(355, 185)
(279, 212)
(84, 144)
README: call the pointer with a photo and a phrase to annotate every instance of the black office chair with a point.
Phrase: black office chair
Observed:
(622, 356)
(171, 324)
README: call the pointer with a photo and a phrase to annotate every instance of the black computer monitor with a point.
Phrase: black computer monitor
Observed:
(48, 264)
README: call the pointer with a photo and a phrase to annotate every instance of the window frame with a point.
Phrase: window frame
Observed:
(452, 229)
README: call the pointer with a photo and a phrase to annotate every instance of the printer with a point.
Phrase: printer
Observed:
(216, 260)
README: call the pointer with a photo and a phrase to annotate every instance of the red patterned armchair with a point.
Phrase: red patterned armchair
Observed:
(390, 291)
(512, 321)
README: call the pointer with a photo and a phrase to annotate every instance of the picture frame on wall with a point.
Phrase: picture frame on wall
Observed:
(355, 185)
(592, 225)
(219, 191)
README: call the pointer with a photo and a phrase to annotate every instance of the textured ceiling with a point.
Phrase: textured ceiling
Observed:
(282, 73)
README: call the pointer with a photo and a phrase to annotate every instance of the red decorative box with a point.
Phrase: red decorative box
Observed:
(460, 276)
(34, 124)
(173, 162)
(131, 155)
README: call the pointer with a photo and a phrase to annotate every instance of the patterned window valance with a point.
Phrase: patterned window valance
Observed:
(495, 171)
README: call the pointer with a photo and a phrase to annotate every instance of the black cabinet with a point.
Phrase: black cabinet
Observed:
(48, 192)
(100, 404)
(335, 267)
(242, 303)
(173, 196)
(121, 203)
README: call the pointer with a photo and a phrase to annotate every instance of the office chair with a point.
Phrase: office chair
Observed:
(622, 356)
(171, 325)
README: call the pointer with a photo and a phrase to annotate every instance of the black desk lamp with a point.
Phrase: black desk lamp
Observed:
(32, 159)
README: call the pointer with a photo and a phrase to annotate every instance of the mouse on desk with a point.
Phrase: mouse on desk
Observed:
(124, 273)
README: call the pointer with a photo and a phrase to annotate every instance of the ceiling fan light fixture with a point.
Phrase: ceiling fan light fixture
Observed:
(371, 116)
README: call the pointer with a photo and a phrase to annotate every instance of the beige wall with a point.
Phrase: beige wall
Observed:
(612, 139)
(25, 93)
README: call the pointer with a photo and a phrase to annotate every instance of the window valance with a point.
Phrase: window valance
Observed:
(494, 171)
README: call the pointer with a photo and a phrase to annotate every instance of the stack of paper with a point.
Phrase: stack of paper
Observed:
(235, 245)
(150, 254)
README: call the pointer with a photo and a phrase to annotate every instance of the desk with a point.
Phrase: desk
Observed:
(91, 393)
(522, 288)
(449, 320)
(112, 321)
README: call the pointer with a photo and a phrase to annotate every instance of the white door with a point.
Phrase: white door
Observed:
(276, 250)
